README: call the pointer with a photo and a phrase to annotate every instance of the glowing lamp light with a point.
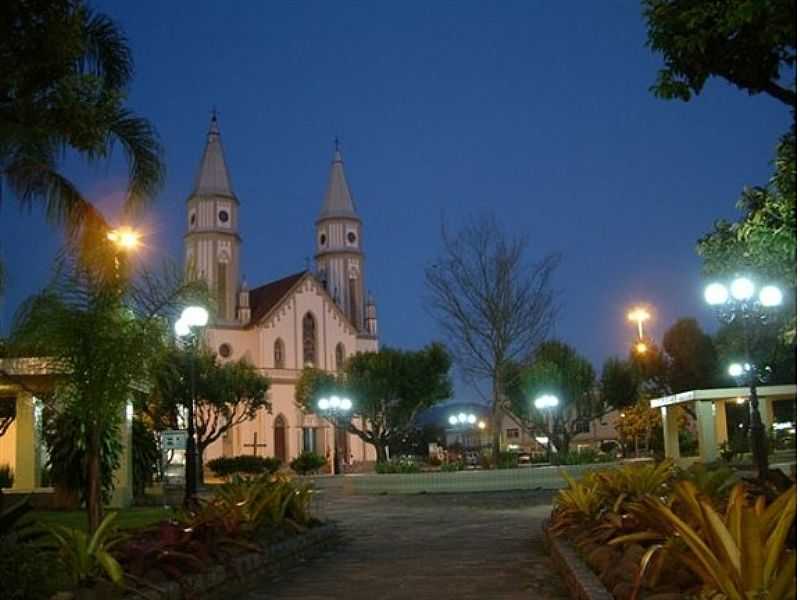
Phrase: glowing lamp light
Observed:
(546, 401)
(462, 418)
(334, 402)
(453, 420)
(195, 316)
(638, 315)
(742, 288)
(182, 328)
(481, 425)
(542, 440)
(641, 348)
(124, 237)
(770, 295)
(471, 419)
(716, 294)
(736, 370)
(323, 404)
(346, 404)
(740, 400)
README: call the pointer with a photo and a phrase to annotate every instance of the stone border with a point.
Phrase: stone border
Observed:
(242, 568)
(578, 578)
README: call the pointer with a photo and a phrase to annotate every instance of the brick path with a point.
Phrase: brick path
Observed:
(468, 546)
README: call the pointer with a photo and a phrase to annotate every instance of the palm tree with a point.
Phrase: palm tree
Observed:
(64, 73)
(102, 335)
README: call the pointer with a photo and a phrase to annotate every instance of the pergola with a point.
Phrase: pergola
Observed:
(709, 408)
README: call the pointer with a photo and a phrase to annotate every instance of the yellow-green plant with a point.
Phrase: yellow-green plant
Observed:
(633, 481)
(740, 554)
(87, 557)
(578, 503)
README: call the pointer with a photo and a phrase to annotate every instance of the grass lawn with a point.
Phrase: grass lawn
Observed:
(128, 518)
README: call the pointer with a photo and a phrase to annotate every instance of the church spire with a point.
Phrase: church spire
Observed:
(338, 202)
(213, 177)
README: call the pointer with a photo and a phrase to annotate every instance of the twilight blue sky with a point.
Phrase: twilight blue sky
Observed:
(538, 111)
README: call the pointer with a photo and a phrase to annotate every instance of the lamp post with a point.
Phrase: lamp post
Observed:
(333, 408)
(191, 317)
(742, 301)
(639, 315)
(463, 421)
(545, 403)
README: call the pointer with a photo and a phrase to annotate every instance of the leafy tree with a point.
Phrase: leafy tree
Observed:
(619, 383)
(691, 357)
(102, 333)
(64, 74)
(557, 368)
(763, 242)
(389, 388)
(494, 305)
(638, 423)
(747, 42)
(226, 394)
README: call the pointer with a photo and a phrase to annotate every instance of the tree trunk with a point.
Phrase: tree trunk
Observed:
(380, 451)
(201, 449)
(94, 496)
(497, 417)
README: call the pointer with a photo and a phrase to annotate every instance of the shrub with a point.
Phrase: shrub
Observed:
(225, 466)
(397, 465)
(23, 573)
(308, 462)
(453, 466)
(145, 456)
(507, 460)
(584, 456)
(434, 461)
(6, 476)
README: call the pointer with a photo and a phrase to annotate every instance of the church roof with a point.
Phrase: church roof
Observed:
(338, 202)
(265, 297)
(213, 177)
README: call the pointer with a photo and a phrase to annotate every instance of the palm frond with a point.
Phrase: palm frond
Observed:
(146, 169)
(107, 53)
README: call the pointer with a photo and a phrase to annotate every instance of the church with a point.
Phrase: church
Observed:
(316, 317)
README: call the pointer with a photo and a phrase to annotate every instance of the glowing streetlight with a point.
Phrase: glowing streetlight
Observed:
(639, 315)
(546, 401)
(125, 238)
(481, 424)
(641, 348)
(333, 408)
(192, 316)
(742, 300)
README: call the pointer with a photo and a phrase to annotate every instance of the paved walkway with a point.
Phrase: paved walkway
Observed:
(483, 546)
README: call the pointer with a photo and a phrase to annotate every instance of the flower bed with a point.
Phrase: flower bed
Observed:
(248, 526)
(657, 532)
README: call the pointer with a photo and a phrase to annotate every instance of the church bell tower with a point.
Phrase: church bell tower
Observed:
(212, 240)
(339, 251)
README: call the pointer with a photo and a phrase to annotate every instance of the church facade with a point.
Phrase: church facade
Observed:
(316, 317)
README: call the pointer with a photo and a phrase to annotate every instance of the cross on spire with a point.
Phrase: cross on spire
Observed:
(214, 112)
(337, 143)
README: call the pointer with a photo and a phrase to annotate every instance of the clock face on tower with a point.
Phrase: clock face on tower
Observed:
(223, 216)
(351, 237)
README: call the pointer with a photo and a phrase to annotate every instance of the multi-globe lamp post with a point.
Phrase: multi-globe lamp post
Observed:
(191, 318)
(546, 403)
(464, 421)
(335, 408)
(743, 301)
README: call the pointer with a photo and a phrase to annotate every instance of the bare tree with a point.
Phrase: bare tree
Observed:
(492, 303)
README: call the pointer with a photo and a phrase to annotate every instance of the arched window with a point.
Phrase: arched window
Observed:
(339, 356)
(279, 354)
(309, 340)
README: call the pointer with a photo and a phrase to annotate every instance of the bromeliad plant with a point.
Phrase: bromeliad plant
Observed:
(738, 554)
(86, 557)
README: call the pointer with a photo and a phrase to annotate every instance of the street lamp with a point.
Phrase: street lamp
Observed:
(125, 238)
(461, 422)
(191, 317)
(545, 403)
(639, 315)
(333, 408)
(743, 301)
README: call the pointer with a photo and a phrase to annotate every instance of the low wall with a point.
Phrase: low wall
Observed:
(524, 478)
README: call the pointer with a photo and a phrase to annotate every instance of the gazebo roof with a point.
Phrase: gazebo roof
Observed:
(766, 391)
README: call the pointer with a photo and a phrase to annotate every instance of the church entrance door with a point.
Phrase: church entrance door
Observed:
(280, 439)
